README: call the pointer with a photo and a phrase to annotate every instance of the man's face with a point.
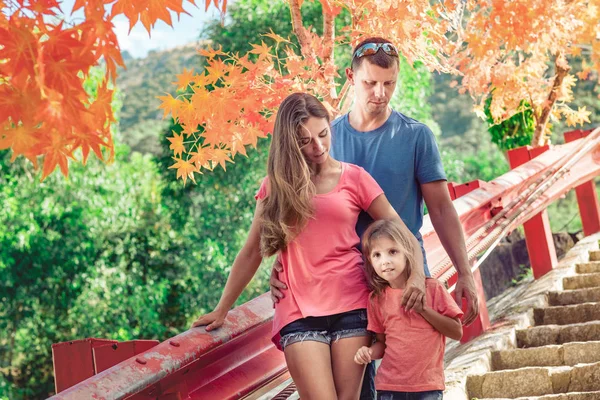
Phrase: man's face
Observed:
(373, 86)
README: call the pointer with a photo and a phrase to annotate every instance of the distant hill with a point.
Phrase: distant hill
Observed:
(145, 78)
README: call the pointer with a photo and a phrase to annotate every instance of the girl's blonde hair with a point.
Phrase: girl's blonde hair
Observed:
(289, 206)
(400, 235)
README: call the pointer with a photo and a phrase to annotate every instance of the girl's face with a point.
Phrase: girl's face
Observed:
(315, 140)
(389, 261)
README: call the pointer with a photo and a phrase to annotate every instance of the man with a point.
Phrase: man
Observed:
(402, 156)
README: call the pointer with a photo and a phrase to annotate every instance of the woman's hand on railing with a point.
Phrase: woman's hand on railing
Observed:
(212, 320)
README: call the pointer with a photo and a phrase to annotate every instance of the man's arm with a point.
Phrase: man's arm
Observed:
(448, 228)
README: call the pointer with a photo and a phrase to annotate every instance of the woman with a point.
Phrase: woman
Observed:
(306, 213)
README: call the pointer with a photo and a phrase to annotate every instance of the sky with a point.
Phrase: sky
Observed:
(137, 42)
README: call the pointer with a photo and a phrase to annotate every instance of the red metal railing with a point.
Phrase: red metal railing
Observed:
(239, 361)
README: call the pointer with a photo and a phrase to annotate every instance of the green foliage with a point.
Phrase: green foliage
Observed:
(61, 266)
(413, 89)
(141, 121)
(467, 157)
(124, 251)
(564, 213)
(249, 20)
(513, 132)
(525, 273)
(105, 254)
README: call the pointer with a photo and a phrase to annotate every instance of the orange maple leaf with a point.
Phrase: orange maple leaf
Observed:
(211, 53)
(262, 50)
(185, 169)
(219, 156)
(184, 79)
(20, 139)
(200, 157)
(170, 105)
(584, 74)
(278, 39)
(176, 144)
(56, 151)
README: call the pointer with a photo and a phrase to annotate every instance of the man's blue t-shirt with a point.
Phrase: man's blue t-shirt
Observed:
(401, 154)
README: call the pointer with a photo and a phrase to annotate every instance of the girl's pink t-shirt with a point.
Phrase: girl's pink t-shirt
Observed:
(414, 350)
(322, 267)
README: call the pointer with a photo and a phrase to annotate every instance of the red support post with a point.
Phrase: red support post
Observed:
(482, 322)
(465, 188)
(78, 360)
(451, 186)
(587, 198)
(538, 236)
(74, 361)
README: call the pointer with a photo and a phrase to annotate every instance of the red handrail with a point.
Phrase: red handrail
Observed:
(238, 360)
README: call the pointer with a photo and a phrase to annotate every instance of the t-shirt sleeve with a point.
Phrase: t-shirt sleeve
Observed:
(444, 303)
(263, 191)
(375, 321)
(428, 162)
(368, 189)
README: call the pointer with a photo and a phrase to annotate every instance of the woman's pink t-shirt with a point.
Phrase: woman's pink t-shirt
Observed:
(414, 350)
(322, 267)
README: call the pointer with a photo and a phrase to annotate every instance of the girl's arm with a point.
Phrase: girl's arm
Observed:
(381, 208)
(378, 348)
(365, 354)
(450, 327)
(244, 267)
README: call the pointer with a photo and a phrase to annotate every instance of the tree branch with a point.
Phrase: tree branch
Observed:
(562, 69)
(337, 102)
(300, 31)
(328, 37)
(328, 40)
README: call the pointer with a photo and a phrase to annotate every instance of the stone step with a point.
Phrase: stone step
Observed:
(547, 356)
(577, 296)
(562, 396)
(588, 267)
(564, 315)
(534, 381)
(558, 334)
(581, 281)
(594, 255)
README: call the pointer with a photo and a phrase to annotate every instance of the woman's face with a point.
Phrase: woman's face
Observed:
(315, 140)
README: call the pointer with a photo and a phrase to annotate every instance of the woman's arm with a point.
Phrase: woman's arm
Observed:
(381, 208)
(450, 327)
(244, 267)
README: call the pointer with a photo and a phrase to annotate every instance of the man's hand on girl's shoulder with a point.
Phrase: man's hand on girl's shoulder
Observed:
(414, 294)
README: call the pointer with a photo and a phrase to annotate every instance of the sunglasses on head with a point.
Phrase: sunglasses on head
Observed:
(368, 49)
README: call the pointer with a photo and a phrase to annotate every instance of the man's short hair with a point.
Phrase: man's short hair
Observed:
(381, 58)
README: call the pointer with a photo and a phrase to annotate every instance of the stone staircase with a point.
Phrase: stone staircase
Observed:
(558, 357)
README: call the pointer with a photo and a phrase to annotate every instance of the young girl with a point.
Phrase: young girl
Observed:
(411, 343)
(306, 213)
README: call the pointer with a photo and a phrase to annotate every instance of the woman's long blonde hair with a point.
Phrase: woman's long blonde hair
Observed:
(397, 233)
(288, 207)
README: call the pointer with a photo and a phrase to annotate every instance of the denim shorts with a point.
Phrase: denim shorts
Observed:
(327, 329)
(429, 395)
